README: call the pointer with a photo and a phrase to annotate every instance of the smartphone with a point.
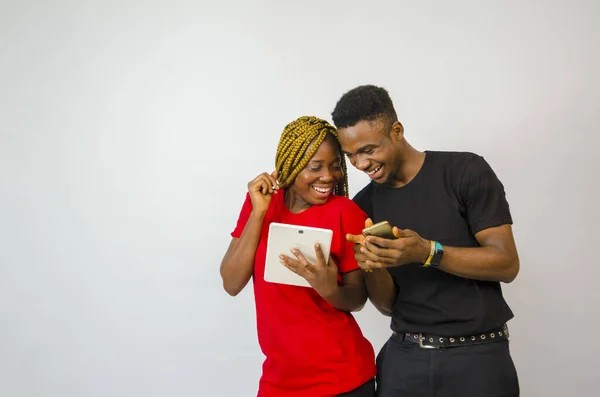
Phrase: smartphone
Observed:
(381, 229)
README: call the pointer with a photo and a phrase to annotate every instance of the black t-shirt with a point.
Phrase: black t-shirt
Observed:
(452, 197)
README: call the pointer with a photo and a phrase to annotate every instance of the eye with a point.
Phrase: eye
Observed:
(369, 151)
(314, 168)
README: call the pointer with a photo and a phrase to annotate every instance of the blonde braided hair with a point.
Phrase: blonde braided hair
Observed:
(294, 150)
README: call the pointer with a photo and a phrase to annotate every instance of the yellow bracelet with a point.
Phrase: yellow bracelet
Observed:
(431, 252)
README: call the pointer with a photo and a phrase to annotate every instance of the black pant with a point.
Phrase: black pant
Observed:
(366, 390)
(406, 370)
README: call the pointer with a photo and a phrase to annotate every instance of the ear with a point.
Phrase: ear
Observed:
(397, 131)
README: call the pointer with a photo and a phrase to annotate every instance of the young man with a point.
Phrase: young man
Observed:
(439, 280)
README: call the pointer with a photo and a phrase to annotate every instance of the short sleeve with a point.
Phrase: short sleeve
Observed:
(353, 222)
(243, 218)
(483, 196)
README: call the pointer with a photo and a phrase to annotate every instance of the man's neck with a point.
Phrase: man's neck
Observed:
(411, 165)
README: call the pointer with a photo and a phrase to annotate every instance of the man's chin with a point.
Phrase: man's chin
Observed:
(385, 180)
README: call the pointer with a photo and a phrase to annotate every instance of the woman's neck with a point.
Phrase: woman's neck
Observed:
(295, 203)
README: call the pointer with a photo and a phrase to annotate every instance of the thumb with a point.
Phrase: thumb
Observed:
(355, 238)
(368, 222)
(402, 233)
(275, 174)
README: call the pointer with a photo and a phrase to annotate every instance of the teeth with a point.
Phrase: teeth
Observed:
(374, 171)
(321, 190)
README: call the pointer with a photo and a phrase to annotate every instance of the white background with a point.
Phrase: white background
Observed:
(129, 129)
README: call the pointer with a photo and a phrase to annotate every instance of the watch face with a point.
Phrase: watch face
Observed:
(437, 255)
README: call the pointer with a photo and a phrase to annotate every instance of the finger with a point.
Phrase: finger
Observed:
(403, 232)
(258, 177)
(376, 254)
(274, 175)
(302, 259)
(382, 242)
(320, 256)
(271, 181)
(256, 185)
(380, 252)
(264, 187)
(375, 265)
(299, 270)
(358, 255)
(293, 264)
(369, 255)
(261, 184)
(357, 249)
(355, 238)
(362, 263)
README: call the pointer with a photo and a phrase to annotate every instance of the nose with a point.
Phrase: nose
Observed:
(326, 176)
(360, 163)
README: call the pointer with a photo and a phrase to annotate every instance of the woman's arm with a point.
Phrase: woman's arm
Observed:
(323, 277)
(351, 296)
(238, 263)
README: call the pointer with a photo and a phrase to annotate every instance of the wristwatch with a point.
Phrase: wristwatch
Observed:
(438, 253)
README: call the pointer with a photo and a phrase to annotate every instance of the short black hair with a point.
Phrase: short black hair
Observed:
(363, 103)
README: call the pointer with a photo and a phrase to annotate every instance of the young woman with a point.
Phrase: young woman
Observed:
(312, 343)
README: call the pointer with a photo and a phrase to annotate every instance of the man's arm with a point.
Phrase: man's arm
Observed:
(380, 286)
(488, 215)
(381, 290)
(495, 260)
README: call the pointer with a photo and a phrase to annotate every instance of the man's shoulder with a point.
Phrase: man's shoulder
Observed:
(453, 157)
(364, 198)
(364, 193)
(456, 164)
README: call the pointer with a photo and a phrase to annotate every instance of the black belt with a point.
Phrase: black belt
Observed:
(427, 341)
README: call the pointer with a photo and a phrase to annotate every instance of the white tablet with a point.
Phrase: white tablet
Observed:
(282, 238)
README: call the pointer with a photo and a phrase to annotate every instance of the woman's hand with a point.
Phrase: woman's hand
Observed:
(322, 276)
(260, 189)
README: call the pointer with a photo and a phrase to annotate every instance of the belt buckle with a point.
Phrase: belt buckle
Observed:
(421, 345)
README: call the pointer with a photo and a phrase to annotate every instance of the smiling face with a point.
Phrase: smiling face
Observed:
(315, 183)
(373, 147)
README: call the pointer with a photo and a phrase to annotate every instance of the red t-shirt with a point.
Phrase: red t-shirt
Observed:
(312, 349)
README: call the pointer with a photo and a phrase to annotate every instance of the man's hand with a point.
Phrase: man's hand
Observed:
(375, 252)
(408, 247)
(322, 276)
(359, 242)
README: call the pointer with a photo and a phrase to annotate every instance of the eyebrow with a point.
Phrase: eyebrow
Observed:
(338, 158)
(363, 148)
